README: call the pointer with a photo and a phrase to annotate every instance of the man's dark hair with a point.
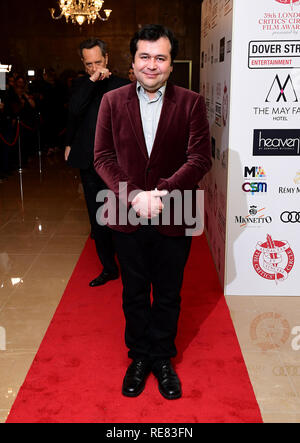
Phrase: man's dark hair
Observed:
(91, 43)
(154, 33)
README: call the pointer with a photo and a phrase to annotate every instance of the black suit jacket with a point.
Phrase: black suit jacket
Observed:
(83, 112)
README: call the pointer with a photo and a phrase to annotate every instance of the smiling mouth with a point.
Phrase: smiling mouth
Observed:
(150, 75)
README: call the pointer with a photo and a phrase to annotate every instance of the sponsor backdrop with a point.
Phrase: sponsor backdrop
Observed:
(215, 59)
(258, 43)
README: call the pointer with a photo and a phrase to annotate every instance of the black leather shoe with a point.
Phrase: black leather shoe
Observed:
(103, 278)
(168, 382)
(135, 378)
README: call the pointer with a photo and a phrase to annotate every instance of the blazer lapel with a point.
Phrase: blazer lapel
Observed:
(166, 118)
(134, 114)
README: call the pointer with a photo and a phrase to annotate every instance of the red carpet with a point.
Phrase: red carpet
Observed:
(77, 373)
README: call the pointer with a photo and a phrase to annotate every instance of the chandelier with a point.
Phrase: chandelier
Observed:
(80, 11)
(5, 68)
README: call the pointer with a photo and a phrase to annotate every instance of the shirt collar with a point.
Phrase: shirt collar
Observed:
(160, 93)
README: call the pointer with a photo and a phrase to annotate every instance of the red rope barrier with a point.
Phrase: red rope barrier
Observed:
(16, 137)
(27, 127)
(62, 132)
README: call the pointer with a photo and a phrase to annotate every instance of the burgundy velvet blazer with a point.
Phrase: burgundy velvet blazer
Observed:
(181, 153)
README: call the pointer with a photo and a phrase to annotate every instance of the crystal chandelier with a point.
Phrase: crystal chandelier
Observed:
(80, 11)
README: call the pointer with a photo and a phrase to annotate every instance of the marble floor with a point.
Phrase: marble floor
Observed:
(43, 229)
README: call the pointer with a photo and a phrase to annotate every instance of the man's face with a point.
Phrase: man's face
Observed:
(152, 63)
(93, 59)
(20, 84)
(131, 75)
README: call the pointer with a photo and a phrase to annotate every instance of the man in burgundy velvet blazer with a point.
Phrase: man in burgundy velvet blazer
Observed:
(174, 159)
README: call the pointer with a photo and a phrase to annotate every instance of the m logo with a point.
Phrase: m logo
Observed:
(279, 91)
(254, 172)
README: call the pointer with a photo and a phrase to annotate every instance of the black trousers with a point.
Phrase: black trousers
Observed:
(149, 259)
(92, 184)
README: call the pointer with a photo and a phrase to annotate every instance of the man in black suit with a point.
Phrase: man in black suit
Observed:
(84, 104)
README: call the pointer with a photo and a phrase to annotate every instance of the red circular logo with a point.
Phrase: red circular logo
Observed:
(287, 2)
(273, 260)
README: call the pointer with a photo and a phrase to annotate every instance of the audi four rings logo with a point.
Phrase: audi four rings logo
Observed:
(290, 217)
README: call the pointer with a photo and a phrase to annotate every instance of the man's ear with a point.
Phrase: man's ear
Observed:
(106, 60)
